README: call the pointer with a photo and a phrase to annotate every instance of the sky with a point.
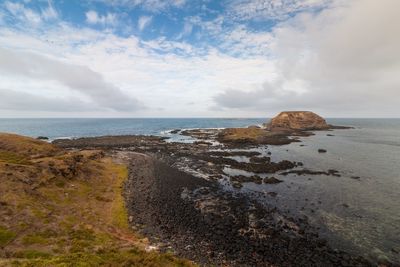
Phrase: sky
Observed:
(199, 58)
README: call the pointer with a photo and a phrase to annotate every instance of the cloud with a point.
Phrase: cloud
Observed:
(24, 14)
(144, 21)
(74, 77)
(155, 6)
(213, 27)
(339, 61)
(343, 61)
(30, 17)
(93, 18)
(50, 12)
(271, 9)
(187, 30)
(23, 101)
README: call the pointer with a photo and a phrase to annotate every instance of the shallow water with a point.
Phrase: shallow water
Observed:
(361, 215)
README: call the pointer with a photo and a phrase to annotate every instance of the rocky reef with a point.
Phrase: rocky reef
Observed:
(187, 198)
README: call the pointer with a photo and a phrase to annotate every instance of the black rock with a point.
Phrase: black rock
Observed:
(272, 180)
(42, 138)
(321, 150)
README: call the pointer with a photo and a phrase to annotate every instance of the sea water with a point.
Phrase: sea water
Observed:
(361, 215)
(74, 128)
(358, 211)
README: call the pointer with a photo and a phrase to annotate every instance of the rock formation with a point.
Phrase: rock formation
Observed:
(298, 121)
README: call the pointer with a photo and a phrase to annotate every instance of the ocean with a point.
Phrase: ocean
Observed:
(358, 212)
(73, 128)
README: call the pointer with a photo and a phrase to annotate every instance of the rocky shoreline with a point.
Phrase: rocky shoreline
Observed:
(199, 221)
(180, 197)
(186, 196)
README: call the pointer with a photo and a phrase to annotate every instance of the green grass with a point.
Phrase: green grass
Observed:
(119, 211)
(6, 236)
(32, 254)
(132, 257)
(13, 158)
(34, 239)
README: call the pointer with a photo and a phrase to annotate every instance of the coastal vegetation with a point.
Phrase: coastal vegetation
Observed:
(66, 208)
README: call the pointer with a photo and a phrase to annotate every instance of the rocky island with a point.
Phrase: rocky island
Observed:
(180, 198)
(297, 121)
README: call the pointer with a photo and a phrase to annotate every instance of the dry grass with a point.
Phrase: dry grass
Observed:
(25, 146)
(234, 134)
(61, 208)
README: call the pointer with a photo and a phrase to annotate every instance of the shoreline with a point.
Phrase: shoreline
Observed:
(201, 222)
(203, 206)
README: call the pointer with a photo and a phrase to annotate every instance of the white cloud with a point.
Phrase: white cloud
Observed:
(211, 27)
(165, 81)
(49, 12)
(77, 78)
(343, 61)
(187, 30)
(23, 101)
(24, 14)
(144, 21)
(92, 17)
(149, 5)
(244, 42)
(271, 9)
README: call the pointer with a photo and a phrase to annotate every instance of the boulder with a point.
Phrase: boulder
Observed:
(297, 121)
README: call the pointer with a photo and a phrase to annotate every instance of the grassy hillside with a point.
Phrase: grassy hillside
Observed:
(65, 208)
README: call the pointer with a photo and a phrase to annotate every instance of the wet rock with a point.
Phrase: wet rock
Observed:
(330, 135)
(42, 138)
(233, 153)
(310, 172)
(203, 190)
(202, 143)
(245, 179)
(321, 150)
(236, 184)
(200, 133)
(272, 180)
(260, 159)
(175, 131)
(239, 137)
